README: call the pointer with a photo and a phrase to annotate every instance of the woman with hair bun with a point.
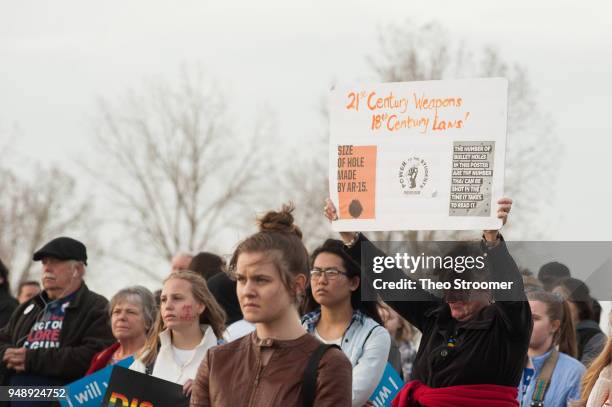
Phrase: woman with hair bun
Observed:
(279, 364)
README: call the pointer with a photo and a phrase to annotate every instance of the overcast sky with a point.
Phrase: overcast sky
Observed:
(57, 58)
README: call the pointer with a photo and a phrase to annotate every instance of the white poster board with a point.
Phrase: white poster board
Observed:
(418, 155)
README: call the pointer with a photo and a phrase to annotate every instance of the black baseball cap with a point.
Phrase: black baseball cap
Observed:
(62, 248)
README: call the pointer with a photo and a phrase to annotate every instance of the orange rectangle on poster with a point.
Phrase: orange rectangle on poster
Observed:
(357, 183)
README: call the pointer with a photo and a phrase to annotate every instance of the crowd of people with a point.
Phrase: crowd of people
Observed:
(277, 326)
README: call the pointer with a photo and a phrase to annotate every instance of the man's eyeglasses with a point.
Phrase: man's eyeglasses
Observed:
(331, 273)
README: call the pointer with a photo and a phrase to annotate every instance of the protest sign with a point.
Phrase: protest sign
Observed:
(418, 155)
(134, 389)
(89, 391)
(389, 386)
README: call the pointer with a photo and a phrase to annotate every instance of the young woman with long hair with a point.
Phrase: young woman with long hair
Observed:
(597, 381)
(189, 323)
(552, 328)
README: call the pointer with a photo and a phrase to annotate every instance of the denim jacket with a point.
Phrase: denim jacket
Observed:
(366, 344)
(564, 383)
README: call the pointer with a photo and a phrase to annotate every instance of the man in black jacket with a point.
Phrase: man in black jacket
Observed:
(50, 339)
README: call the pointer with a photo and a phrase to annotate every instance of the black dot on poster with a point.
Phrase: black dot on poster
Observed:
(355, 208)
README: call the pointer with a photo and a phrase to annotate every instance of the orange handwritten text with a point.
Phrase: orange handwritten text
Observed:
(394, 123)
(387, 102)
(424, 103)
(439, 124)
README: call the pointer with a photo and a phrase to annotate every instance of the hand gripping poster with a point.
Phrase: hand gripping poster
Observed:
(418, 155)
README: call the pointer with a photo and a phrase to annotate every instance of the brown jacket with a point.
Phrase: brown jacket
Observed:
(231, 375)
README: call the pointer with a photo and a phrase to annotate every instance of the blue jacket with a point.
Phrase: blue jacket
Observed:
(366, 344)
(564, 383)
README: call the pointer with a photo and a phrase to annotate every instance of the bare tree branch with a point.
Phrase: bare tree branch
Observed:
(177, 168)
(32, 212)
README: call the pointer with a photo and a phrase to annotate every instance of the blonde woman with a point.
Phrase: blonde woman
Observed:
(189, 323)
(596, 383)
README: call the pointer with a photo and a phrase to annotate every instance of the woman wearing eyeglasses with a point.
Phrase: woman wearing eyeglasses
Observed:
(336, 315)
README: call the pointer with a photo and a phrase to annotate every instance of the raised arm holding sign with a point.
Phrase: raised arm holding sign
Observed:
(466, 335)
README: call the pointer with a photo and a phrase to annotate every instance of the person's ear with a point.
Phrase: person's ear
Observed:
(556, 324)
(354, 283)
(200, 308)
(78, 268)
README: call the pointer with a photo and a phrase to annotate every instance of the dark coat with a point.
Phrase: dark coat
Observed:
(85, 331)
(491, 348)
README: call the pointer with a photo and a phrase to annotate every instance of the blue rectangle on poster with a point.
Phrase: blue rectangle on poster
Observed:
(89, 391)
(389, 386)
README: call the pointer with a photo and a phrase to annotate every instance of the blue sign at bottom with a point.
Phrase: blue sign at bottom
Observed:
(389, 386)
(90, 390)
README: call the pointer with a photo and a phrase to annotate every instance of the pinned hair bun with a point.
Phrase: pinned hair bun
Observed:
(280, 241)
(281, 221)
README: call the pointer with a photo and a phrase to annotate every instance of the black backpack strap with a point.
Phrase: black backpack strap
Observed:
(309, 380)
(368, 336)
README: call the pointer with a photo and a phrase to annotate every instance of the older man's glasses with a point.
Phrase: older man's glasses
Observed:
(331, 273)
